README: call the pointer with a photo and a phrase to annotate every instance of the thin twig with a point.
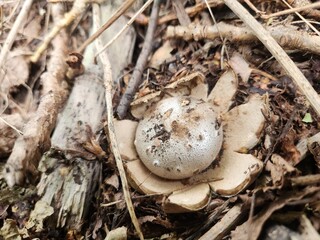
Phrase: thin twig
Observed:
(191, 11)
(135, 79)
(284, 60)
(12, 35)
(113, 141)
(126, 26)
(303, 19)
(305, 180)
(124, 7)
(78, 8)
(10, 125)
(220, 35)
(292, 10)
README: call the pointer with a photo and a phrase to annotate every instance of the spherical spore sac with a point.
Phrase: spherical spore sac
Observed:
(178, 137)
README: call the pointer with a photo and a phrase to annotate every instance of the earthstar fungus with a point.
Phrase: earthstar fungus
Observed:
(191, 190)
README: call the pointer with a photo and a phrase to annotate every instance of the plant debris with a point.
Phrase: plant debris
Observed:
(70, 169)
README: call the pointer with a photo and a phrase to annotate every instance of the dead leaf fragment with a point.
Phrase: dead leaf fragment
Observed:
(41, 211)
(117, 234)
(250, 230)
(240, 66)
(163, 53)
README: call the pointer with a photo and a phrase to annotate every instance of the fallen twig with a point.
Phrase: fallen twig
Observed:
(303, 19)
(12, 35)
(191, 11)
(135, 79)
(78, 7)
(311, 13)
(110, 125)
(287, 37)
(305, 180)
(226, 223)
(29, 148)
(292, 10)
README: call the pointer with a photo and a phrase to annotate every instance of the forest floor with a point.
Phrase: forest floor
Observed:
(69, 113)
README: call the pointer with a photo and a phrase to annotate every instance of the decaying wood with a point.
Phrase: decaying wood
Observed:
(124, 28)
(105, 26)
(68, 168)
(228, 221)
(29, 147)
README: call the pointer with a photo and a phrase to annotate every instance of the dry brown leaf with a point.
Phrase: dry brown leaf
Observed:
(33, 27)
(240, 66)
(7, 134)
(15, 63)
(113, 181)
(279, 168)
(163, 53)
(250, 230)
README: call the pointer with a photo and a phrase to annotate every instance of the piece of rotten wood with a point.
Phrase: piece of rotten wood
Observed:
(35, 140)
(226, 223)
(120, 11)
(307, 230)
(68, 168)
(72, 167)
(280, 55)
(182, 15)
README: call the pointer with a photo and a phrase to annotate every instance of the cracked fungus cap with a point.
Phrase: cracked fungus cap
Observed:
(178, 137)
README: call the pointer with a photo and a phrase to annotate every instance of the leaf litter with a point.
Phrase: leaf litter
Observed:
(268, 172)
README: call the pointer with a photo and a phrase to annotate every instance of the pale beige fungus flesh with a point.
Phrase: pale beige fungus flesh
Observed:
(178, 137)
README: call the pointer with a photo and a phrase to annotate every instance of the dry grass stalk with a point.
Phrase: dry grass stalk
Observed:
(13, 33)
(110, 126)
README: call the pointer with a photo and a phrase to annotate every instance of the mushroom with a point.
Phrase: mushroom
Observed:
(232, 173)
(178, 137)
